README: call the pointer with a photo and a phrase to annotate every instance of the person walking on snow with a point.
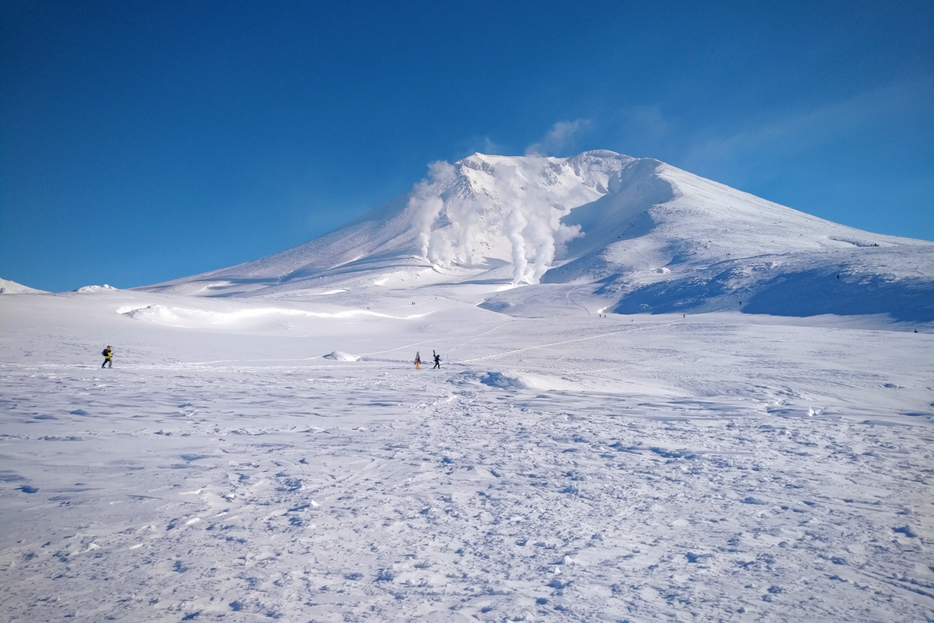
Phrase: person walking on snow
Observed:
(418, 360)
(437, 361)
(108, 357)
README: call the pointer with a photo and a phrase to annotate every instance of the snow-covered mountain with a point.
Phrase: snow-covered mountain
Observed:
(628, 234)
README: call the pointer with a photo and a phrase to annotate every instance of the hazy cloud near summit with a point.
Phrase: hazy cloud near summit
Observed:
(792, 133)
(559, 136)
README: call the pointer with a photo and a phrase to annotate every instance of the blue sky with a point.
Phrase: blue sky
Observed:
(145, 141)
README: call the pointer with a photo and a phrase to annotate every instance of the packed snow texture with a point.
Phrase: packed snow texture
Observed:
(261, 460)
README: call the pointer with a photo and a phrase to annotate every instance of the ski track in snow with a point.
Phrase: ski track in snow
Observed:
(703, 476)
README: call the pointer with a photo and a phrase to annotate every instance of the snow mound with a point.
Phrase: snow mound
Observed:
(194, 317)
(540, 382)
(341, 356)
(91, 289)
(496, 305)
(498, 379)
(150, 312)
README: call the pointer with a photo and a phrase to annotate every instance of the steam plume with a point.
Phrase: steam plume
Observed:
(427, 202)
(515, 223)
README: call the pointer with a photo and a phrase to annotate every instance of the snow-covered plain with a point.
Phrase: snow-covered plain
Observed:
(257, 460)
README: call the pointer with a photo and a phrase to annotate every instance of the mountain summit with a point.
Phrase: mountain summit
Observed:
(634, 233)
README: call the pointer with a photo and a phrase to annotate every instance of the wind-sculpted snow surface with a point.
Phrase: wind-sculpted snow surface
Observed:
(564, 468)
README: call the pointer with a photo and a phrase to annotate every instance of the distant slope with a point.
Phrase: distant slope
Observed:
(709, 247)
(11, 287)
(637, 234)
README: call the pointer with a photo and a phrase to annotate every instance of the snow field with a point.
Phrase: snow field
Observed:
(564, 468)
